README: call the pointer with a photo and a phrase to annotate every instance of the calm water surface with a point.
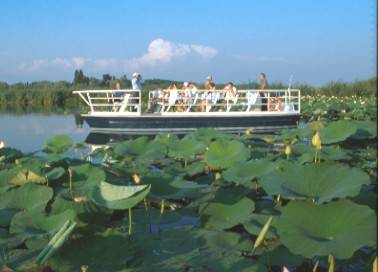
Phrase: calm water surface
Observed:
(29, 132)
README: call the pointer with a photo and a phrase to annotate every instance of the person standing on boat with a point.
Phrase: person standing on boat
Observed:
(208, 82)
(136, 83)
(263, 86)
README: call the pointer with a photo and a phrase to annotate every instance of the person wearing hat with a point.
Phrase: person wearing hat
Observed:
(137, 81)
(208, 82)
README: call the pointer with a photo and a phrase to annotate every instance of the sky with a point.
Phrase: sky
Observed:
(315, 41)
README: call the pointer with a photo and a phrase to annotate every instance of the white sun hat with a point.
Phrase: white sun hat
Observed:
(186, 84)
(135, 74)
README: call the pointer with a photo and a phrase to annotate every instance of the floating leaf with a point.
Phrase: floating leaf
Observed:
(224, 154)
(338, 228)
(229, 207)
(321, 182)
(337, 131)
(30, 224)
(26, 197)
(186, 148)
(58, 144)
(118, 197)
(246, 171)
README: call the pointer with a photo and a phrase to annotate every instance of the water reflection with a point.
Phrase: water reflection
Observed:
(30, 132)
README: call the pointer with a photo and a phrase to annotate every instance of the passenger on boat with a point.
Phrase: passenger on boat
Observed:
(263, 86)
(231, 91)
(118, 95)
(207, 97)
(209, 80)
(137, 81)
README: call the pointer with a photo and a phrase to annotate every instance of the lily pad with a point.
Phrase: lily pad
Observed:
(225, 154)
(186, 148)
(58, 144)
(337, 131)
(26, 197)
(118, 197)
(36, 224)
(321, 182)
(245, 172)
(229, 207)
(338, 228)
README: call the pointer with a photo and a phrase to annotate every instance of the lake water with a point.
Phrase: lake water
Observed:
(29, 132)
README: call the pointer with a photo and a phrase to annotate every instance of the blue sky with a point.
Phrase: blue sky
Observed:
(316, 41)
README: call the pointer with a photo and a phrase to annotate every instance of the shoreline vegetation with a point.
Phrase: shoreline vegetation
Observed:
(56, 97)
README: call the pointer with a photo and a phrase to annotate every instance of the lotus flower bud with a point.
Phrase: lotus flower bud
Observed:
(136, 178)
(84, 268)
(288, 150)
(248, 131)
(316, 141)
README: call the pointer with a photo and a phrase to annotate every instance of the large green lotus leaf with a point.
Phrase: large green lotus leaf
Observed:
(224, 154)
(229, 207)
(87, 212)
(337, 131)
(26, 197)
(207, 135)
(6, 216)
(131, 147)
(281, 256)
(9, 155)
(338, 228)
(111, 250)
(365, 130)
(153, 151)
(58, 144)
(26, 170)
(321, 182)
(119, 197)
(327, 153)
(186, 148)
(18, 260)
(85, 177)
(245, 172)
(55, 173)
(167, 187)
(36, 224)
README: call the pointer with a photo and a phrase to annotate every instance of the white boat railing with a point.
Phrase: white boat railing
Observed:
(117, 101)
(166, 102)
(169, 101)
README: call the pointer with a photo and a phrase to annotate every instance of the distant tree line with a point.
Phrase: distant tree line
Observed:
(57, 97)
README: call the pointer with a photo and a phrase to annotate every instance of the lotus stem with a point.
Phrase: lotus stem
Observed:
(70, 179)
(162, 207)
(130, 222)
(145, 204)
(185, 163)
(47, 181)
(331, 261)
(315, 266)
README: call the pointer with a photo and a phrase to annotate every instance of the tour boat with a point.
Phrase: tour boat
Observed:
(263, 111)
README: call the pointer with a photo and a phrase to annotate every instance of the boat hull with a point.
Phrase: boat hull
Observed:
(159, 123)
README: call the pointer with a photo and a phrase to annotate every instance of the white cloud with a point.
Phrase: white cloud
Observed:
(163, 51)
(65, 63)
(159, 51)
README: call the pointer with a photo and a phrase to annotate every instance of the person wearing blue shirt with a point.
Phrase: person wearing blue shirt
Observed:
(137, 81)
